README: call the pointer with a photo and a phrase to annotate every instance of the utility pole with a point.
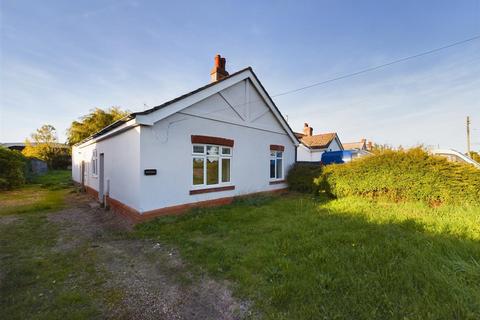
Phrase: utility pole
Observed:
(468, 136)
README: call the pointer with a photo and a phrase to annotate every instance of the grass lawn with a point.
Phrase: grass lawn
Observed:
(297, 257)
(36, 281)
(45, 192)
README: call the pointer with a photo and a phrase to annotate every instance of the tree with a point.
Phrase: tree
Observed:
(475, 156)
(93, 122)
(380, 148)
(45, 146)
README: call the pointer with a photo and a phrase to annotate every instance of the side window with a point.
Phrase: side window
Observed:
(94, 162)
(276, 164)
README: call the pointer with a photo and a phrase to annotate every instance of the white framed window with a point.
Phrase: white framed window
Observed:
(211, 165)
(94, 163)
(276, 165)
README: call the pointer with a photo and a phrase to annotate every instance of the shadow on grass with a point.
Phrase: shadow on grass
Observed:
(300, 258)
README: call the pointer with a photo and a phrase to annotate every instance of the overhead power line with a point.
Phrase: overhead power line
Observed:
(377, 67)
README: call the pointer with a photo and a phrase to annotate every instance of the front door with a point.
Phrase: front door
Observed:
(101, 176)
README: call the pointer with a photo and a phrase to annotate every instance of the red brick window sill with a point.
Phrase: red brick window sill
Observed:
(208, 190)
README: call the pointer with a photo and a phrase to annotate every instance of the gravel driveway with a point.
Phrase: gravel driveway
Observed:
(152, 280)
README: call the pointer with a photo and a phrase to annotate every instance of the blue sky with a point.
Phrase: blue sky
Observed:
(59, 59)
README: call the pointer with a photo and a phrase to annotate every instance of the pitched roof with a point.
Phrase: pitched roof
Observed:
(163, 105)
(145, 112)
(318, 141)
(354, 145)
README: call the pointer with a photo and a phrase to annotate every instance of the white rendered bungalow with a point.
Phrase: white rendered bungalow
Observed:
(222, 140)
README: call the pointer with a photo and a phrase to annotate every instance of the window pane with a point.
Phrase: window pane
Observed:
(225, 170)
(212, 170)
(226, 151)
(279, 154)
(272, 168)
(212, 150)
(198, 149)
(272, 153)
(197, 171)
(279, 168)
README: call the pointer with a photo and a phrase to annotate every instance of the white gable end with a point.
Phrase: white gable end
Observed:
(214, 106)
(239, 99)
(239, 104)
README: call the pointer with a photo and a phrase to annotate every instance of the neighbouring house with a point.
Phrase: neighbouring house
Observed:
(313, 146)
(360, 145)
(36, 166)
(203, 148)
(359, 149)
(18, 146)
(454, 156)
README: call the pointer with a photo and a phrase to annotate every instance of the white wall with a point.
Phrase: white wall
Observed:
(334, 146)
(237, 113)
(167, 147)
(312, 155)
(306, 154)
(122, 166)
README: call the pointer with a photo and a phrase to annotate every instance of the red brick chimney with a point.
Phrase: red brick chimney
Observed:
(308, 131)
(218, 72)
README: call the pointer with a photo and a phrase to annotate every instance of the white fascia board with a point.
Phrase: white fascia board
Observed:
(272, 107)
(310, 149)
(150, 119)
(126, 126)
(304, 147)
(340, 143)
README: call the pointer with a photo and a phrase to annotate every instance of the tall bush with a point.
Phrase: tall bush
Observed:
(301, 177)
(404, 175)
(13, 166)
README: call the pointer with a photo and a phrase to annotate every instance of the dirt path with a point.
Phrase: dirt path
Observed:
(151, 278)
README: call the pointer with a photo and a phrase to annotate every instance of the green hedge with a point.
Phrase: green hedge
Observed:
(301, 177)
(404, 175)
(13, 168)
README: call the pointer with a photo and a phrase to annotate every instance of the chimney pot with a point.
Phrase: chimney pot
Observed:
(307, 130)
(218, 72)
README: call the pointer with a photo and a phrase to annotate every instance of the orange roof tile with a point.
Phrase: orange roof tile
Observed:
(318, 141)
(354, 145)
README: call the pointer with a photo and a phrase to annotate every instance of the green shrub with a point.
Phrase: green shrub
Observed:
(301, 177)
(404, 175)
(12, 168)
